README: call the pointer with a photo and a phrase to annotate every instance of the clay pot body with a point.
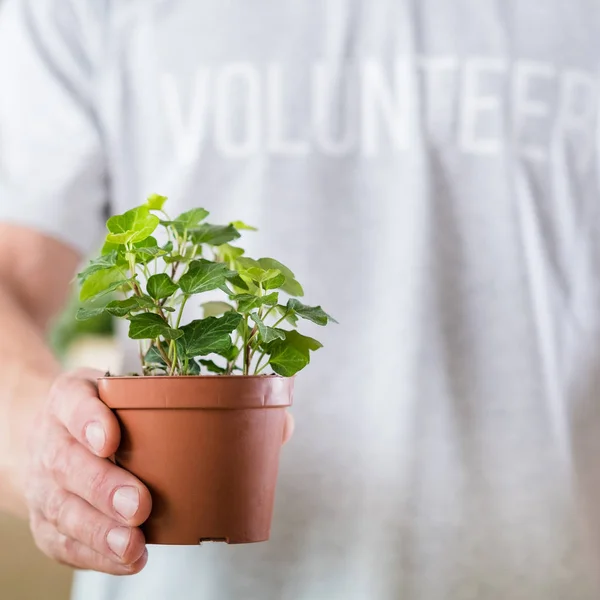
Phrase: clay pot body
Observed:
(208, 449)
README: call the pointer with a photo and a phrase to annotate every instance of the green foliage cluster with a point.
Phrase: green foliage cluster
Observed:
(252, 328)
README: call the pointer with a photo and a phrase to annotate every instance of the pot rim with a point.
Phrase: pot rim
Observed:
(196, 391)
(215, 376)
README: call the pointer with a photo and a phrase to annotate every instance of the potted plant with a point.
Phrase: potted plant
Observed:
(202, 426)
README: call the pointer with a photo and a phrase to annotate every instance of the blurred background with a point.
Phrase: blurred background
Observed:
(26, 574)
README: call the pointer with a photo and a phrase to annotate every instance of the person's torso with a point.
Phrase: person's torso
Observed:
(429, 170)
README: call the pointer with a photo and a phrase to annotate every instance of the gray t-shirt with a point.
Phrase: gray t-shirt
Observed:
(430, 171)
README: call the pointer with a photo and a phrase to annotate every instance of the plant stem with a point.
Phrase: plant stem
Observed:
(257, 370)
(280, 320)
(174, 352)
(185, 299)
(268, 312)
(246, 347)
(162, 353)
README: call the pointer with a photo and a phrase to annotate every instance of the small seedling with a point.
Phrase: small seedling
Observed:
(250, 329)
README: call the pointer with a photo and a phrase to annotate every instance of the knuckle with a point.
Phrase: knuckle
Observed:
(99, 483)
(54, 506)
(63, 548)
(55, 457)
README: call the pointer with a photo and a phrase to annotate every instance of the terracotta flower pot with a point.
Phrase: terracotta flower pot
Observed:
(207, 448)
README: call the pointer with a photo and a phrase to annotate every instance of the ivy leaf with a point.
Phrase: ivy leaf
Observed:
(134, 225)
(156, 202)
(291, 286)
(147, 250)
(203, 336)
(83, 313)
(267, 334)
(160, 286)
(188, 253)
(238, 283)
(193, 368)
(214, 235)
(230, 354)
(187, 220)
(216, 308)
(241, 226)
(149, 326)
(116, 308)
(292, 354)
(288, 361)
(212, 367)
(274, 282)
(312, 313)
(102, 282)
(203, 276)
(229, 253)
(154, 357)
(105, 261)
(248, 302)
(120, 308)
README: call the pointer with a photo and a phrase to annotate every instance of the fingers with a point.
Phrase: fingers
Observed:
(75, 404)
(108, 488)
(76, 519)
(288, 430)
(70, 551)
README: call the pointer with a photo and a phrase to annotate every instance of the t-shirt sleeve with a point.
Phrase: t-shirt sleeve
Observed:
(52, 167)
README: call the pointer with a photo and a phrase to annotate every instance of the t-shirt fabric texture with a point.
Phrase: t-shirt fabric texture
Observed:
(430, 172)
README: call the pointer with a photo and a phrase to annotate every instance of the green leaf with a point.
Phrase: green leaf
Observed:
(216, 308)
(291, 286)
(312, 313)
(272, 283)
(149, 326)
(105, 261)
(252, 272)
(193, 368)
(134, 225)
(229, 253)
(211, 366)
(288, 361)
(203, 336)
(248, 302)
(238, 283)
(110, 247)
(120, 308)
(214, 235)
(156, 202)
(240, 226)
(154, 357)
(203, 276)
(83, 314)
(168, 247)
(229, 354)
(102, 282)
(147, 250)
(160, 286)
(187, 220)
(292, 354)
(267, 334)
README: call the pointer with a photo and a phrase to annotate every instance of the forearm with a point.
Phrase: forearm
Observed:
(27, 370)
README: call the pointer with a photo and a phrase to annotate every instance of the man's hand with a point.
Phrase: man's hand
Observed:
(84, 510)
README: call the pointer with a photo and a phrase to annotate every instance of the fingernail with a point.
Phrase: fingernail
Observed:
(95, 436)
(118, 540)
(126, 501)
